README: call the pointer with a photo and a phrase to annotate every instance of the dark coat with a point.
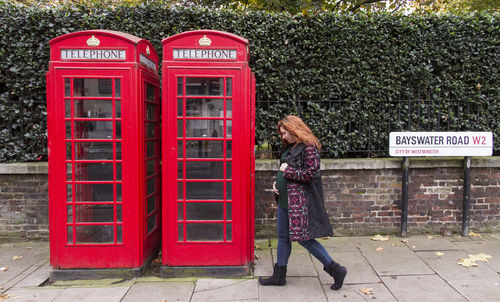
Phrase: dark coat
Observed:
(306, 207)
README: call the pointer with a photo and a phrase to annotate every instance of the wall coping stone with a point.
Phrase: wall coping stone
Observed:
(389, 163)
(326, 164)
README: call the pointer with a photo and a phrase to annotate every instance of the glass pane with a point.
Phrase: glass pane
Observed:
(67, 108)
(204, 170)
(119, 213)
(93, 108)
(69, 213)
(151, 204)
(94, 234)
(180, 85)
(68, 129)
(229, 149)
(204, 128)
(229, 87)
(151, 167)
(94, 213)
(180, 231)
(151, 148)
(118, 88)
(229, 211)
(204, 211)
(150, 93)
(118, 109)
(204, 232)
(69, 172)
(180, 147)
(180, 170)
(93, 171)
(94, 130)
(180, 190)
(152, 130)
(151, 223)
(229, 129)
(93, 192)
(69, 192)
(229, 233)
(180, 128)
(68, 151)
(94, 150)
(118, 171)
(205, 107)
(204, 190)
(180, 211)
(205, 86)
(70, 234)
(118, 151)
(67, 87)
(151, 185)
(180, 107)
(229, 170)
(118, 192)
(92, 87)
(118, 130)
(229, 108)
(151, 112)
(204, 149)
(119, 234)
(228, 191)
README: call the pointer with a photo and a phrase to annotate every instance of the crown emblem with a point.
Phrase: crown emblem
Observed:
(205, 41)
(93, 41)
(148, 52)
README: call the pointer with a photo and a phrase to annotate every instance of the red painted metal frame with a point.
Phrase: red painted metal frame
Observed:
(136, 246)
(239, 250)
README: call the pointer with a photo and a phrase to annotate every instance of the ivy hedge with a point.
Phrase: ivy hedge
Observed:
(368, 62)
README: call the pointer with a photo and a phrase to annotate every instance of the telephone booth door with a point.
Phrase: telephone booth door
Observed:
(104, 152)
(207, 159)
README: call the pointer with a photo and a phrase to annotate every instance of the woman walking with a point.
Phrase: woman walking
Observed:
(301, 211)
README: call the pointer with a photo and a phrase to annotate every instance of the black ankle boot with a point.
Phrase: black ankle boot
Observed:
(338, 272)
(278, 277)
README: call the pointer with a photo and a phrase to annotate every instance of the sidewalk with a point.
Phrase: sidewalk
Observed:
(422, 269)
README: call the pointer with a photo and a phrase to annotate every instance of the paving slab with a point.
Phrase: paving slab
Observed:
(215, 290)
(352, 293)
(89, 294)
(485, 290)
(263, 265)
(421, 288)
(394, 260)
(300, 263)
(158, 291)
(431, 243)
(297, 289)
(33, 294)
(341, 244)
(491, 248)
(358, 269)
(22, 259)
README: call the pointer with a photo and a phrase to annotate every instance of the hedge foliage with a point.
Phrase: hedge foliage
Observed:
(362, 60)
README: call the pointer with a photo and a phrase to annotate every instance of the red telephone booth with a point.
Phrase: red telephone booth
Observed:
(208, 159)
(103, 107)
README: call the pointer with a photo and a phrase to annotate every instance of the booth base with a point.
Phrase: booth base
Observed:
(99, 273)
(205, 271)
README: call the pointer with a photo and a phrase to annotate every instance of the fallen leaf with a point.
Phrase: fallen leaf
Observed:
(257, 247)
(4, 297)
(163, 300)
(29, 248)
(366, 291)
(379, 237)
(430, 237)
(1, 287)
(476, 235)
(17, 257)
(379, 249)
(414, 247)
(440, 253)
(393, 244)
(480, 257)
(467, 262)
(256, 256)
(4, 269)
(405, 240)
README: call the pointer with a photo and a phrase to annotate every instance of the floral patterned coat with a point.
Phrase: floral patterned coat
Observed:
(306, 209)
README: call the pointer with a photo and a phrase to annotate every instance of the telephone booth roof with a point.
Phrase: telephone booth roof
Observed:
(106, 39)
(205, 39)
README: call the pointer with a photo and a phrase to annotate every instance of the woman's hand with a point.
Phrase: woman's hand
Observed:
(275, 191)
(283, 167)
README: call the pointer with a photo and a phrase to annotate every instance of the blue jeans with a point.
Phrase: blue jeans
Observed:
(285, 246)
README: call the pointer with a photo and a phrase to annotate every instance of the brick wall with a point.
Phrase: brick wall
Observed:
(362, 196)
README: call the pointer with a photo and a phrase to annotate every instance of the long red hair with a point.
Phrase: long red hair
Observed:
(299, 130)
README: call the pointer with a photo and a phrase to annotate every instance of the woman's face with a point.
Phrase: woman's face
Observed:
(287, 136)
